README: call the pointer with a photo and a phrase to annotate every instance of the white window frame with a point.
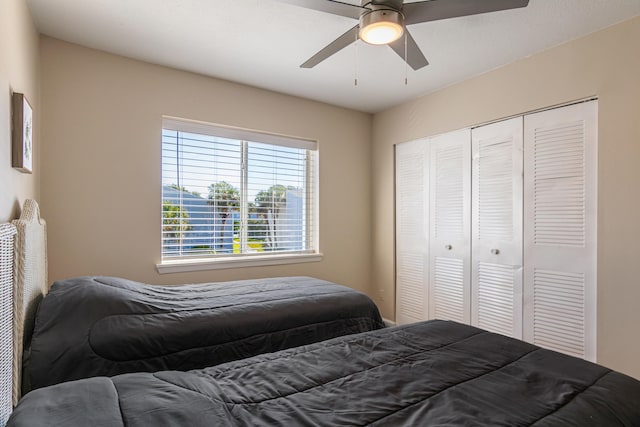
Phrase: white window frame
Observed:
(249, 260)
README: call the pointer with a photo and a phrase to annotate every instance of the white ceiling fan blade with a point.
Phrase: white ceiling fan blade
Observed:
(393, 4)
(338, 44)
(329, 6)
(414, 56)
(433, 10)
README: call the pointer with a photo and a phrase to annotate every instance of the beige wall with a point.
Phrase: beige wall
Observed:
(19, 70)
(606, 64)
(100, 180)
(102, 117)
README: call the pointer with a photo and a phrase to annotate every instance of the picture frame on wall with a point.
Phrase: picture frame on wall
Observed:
(22, 134)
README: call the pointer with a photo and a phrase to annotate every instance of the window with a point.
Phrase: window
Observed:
(231, 194)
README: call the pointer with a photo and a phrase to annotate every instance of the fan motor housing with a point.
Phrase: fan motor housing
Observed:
(382, 16)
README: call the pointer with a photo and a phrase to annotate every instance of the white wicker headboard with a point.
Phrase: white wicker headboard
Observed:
(30, 285)
(7, 236)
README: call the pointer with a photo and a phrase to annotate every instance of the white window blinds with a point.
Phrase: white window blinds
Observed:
(231, 192)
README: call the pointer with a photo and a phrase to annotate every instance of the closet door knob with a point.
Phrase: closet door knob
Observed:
(495, 251)
(448, 247)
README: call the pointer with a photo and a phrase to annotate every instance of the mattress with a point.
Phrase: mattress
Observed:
(429, 373)
(105, 326)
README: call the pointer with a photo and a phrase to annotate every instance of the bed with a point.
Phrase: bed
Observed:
(105, 326)
(429, 373)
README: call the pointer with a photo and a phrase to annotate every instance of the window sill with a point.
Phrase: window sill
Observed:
(182, 266)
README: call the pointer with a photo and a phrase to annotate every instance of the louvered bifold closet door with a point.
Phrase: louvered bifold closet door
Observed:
(412, 228)
(560, 185)
(496, 227)
(449, 240)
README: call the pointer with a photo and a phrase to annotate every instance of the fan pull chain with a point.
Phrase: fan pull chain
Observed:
(406, 58)
(355, 79)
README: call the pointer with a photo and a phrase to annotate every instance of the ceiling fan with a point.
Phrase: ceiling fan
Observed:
(383, 22)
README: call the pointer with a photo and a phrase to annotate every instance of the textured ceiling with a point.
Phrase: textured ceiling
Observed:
(262, 42)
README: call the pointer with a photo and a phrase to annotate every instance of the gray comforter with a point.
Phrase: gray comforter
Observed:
(425, 374)
(104, 326)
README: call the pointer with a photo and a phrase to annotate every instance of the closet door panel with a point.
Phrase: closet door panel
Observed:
(449, 248)
(496, 218)
(412, 229)
(560, 231)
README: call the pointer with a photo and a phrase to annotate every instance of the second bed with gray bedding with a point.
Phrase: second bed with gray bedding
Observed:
(105, 326)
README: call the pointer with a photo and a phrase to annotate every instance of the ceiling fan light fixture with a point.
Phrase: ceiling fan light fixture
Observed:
(382, 26)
